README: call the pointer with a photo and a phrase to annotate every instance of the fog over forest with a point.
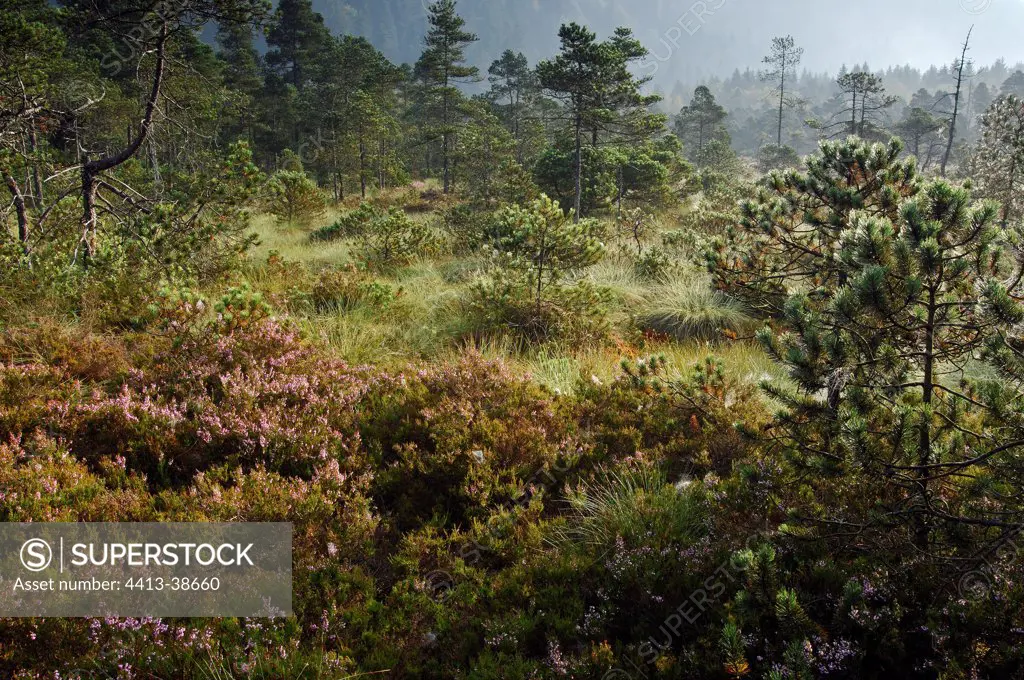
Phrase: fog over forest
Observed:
(693, 40)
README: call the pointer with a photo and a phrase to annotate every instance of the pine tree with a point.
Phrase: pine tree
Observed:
(573, 77)
(981, 99)
(599, 93)
(486, 153)
(781, 69)
(867, 100)
(999, 159)
(241, 74)
(442, 66)
(790, 232)
(701, 121)
(920, 130)
(242, 61)
(297, 40)
(536, 293)
(32, 68)
(885, 289)
(352, 102)
(771, 157)
(623, 113)
(513, 94)
(1013, 85)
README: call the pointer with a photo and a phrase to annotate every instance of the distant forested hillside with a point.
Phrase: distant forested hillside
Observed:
(694, 40)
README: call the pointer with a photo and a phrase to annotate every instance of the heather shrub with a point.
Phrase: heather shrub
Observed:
(454, 440)
(59, 346)
(25, 390)
(48, 363)
(244, 391)
(42, 481)
(686, 422)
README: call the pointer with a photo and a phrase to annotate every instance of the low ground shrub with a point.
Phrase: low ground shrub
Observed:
(349, 288)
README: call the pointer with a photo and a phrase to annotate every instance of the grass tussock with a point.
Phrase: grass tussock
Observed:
(687, 309)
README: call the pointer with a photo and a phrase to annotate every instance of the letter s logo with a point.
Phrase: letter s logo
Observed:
(36, 554)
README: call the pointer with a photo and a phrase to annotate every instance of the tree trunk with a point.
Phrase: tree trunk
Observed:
(362, 166)
(924, 444)
(444, 136)
(621, 188)
(446, 163)
(89, 217)
(578, 170)
(782, 97)
(37, 183)
(20, 210)
(487, 172)
(514, 110)
(92, 169)
(853, 114)
(455, 165)
(956, 103)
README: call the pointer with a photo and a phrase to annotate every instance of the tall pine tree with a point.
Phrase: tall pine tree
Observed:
(440, 68)
(599, 93)
(701, 121)
(297, 38)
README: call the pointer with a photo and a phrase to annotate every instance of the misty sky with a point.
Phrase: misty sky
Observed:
(692, 40)
(880, 32)
(717, 36)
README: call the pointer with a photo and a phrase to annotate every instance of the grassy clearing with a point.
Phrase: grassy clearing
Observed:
(425, 320)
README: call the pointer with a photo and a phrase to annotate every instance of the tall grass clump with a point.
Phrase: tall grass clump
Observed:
(689, 310)
(637, 505)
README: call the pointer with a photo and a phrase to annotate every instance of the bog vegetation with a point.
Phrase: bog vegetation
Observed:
(551, 384)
